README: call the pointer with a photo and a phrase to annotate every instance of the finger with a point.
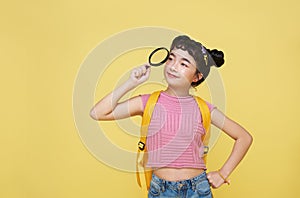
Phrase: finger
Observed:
(144, 70)
(134, 72)
(208, 176)
(212, 184)
(144, 67)
(210, 181)
(140, 72)
(147, 74)
(137, 74)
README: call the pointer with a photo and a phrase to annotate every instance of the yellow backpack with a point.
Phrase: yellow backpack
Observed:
(142, 157)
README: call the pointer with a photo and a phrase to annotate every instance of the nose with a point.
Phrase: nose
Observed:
(173, 65)
(173, 68)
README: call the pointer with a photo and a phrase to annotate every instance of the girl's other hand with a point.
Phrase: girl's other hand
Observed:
(215, 179)
(140, 74)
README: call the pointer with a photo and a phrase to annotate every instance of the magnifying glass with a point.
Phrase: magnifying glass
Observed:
(159, 56)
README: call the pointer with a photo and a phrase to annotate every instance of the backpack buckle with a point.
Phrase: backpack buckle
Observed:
(205, 150)
(141, 145)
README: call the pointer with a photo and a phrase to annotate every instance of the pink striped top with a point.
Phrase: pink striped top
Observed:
(174, 134)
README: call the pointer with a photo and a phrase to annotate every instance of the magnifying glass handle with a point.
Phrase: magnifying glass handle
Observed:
(147, 66)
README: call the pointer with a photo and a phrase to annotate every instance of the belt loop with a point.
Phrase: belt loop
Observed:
(163, 185)
(193, 185)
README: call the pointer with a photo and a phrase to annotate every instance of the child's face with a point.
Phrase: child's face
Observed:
(180, 69)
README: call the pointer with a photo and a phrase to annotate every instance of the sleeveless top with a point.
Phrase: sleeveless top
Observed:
(174, 133)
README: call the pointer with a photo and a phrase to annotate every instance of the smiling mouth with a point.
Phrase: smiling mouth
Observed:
(172, 75)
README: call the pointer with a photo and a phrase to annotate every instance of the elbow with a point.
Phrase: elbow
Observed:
(248, 139)
(93, 114)
(98, 116)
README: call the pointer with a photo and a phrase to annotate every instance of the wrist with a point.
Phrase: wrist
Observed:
(224, 172)
(225, 178)
(130, 84)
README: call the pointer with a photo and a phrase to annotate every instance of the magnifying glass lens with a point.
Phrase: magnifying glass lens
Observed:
(159, 56)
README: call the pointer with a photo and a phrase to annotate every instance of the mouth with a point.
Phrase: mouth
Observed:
(172, 75)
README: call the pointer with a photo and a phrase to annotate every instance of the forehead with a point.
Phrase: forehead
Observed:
(183, 54)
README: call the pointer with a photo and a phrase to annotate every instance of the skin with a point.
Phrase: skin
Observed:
(179, 72)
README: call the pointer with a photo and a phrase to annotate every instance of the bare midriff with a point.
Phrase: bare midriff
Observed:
(177, 174)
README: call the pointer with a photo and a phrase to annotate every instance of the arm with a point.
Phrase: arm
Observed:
(109, 108)
(243, 140)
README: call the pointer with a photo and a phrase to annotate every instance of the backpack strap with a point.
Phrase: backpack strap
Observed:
(206, 119)
(142, 149)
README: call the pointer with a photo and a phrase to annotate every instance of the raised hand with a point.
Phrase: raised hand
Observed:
(140, 74)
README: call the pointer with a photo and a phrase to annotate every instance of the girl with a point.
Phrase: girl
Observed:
(175, 130)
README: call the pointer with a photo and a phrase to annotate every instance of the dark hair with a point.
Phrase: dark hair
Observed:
(204, 58)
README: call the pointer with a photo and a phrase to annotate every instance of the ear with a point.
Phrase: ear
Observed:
(198, 77)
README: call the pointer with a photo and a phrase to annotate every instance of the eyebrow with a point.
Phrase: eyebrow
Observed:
(181, 58)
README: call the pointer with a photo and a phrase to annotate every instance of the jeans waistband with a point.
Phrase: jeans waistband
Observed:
(188, 183)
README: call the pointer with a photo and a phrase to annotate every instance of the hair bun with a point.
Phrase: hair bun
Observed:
(218, 57)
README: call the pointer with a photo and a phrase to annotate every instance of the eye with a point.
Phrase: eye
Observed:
(170, 58)
(185, 65)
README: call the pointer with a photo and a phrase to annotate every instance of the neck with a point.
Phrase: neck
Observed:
(177, 92)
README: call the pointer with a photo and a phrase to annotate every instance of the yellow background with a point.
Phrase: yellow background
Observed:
(43, 43)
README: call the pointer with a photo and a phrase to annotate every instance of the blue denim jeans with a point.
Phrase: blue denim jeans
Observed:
(190, 188)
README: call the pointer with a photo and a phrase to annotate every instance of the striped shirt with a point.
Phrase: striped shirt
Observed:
(174, 133)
